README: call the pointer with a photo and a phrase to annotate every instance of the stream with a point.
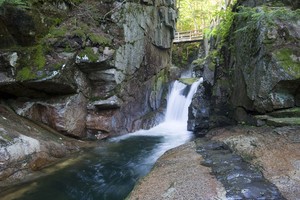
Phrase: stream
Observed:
(110, 171)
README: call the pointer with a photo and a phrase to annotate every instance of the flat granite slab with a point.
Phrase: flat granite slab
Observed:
(178, 174)
(272, 154)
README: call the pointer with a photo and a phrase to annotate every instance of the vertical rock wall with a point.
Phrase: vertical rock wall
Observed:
(99, 69)
(255, 70)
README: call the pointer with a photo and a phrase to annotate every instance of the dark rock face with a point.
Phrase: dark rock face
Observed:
(64, 114)
(259, 73)
(266, 62)
(99, 72)
(199, 111)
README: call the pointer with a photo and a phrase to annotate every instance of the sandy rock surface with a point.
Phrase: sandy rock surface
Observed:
(179, 175)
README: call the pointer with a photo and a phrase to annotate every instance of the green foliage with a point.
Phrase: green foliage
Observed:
(196, 14)
(183, 54)
(32, 61)
(25, 74)
(199, 62)
(39, 57)
(99, 40)
(288, 61)
(266, 15)
(19, 3)
(27, 3)
(89, 52)
(226, 19)
(188, 81)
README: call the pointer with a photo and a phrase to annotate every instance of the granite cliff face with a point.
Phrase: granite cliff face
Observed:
(87, 69)
(255, 70)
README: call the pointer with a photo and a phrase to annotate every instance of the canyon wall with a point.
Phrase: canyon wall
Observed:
(253, 70)
(86, 69)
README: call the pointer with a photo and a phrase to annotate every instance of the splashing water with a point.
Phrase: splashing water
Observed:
(178, 102)
(110, 171)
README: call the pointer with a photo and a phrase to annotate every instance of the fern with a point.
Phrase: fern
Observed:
(19, 3)
(265, 15)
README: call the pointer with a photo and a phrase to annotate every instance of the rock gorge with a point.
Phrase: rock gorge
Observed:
(85, 69)
(77, 70)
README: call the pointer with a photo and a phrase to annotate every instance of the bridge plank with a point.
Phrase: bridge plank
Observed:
(188, 36)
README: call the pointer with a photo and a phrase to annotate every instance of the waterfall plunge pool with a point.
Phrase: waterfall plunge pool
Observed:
(110, 171)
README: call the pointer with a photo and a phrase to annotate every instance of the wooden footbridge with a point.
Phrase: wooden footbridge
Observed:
(188, 36)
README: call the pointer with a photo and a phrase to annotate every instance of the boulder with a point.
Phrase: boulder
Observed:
(26, 147)
(64, 114)
(266, 60)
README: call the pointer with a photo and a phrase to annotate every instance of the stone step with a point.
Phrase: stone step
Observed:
(292, 112)
(279, 121)
(287, 121)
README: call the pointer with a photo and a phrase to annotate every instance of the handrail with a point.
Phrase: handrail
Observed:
(188, 36)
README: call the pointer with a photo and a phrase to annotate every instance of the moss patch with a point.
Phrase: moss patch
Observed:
(292, 112)
(288, 61)
(25, 74)
(32, 61)
(90, 54)
(99, 40)
(188, 81)
(291, 121)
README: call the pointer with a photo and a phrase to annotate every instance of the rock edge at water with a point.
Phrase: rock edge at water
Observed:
(272, 158)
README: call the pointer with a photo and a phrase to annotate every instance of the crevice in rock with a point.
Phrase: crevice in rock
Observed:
(240, 179)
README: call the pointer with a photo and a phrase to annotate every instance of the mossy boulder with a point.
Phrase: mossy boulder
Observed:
(265, 58)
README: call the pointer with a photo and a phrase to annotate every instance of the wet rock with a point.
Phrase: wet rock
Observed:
(26, 147)
(65, 114)
(273, 150)
(178, 175)
(199, 111)
(110, 103)
(276, 89)
(240, 179)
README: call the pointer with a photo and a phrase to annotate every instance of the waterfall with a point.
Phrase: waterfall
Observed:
(179, 100)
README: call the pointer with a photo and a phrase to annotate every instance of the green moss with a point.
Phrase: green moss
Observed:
(291, 112)
(5, 136)
(99, 40)
(188, 81)
(39, 57)
(288, 61)
(18, 3)
(25, 74)
(95, 98)
(289, 121)
(199, 62)
(88, 51)
(70, 2)
(58, 65)
(32, 61)
(56, 32)
(211, 66)
(79, 33)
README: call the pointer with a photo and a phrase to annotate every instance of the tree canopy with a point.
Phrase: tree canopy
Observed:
(197, 14)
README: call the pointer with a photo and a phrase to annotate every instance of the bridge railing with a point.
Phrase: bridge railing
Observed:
(188, 36)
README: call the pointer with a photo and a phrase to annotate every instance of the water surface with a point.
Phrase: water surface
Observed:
(110, 171)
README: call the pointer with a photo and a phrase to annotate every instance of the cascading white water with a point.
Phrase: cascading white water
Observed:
(111, 170)
(178, 103)
(174, 128)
